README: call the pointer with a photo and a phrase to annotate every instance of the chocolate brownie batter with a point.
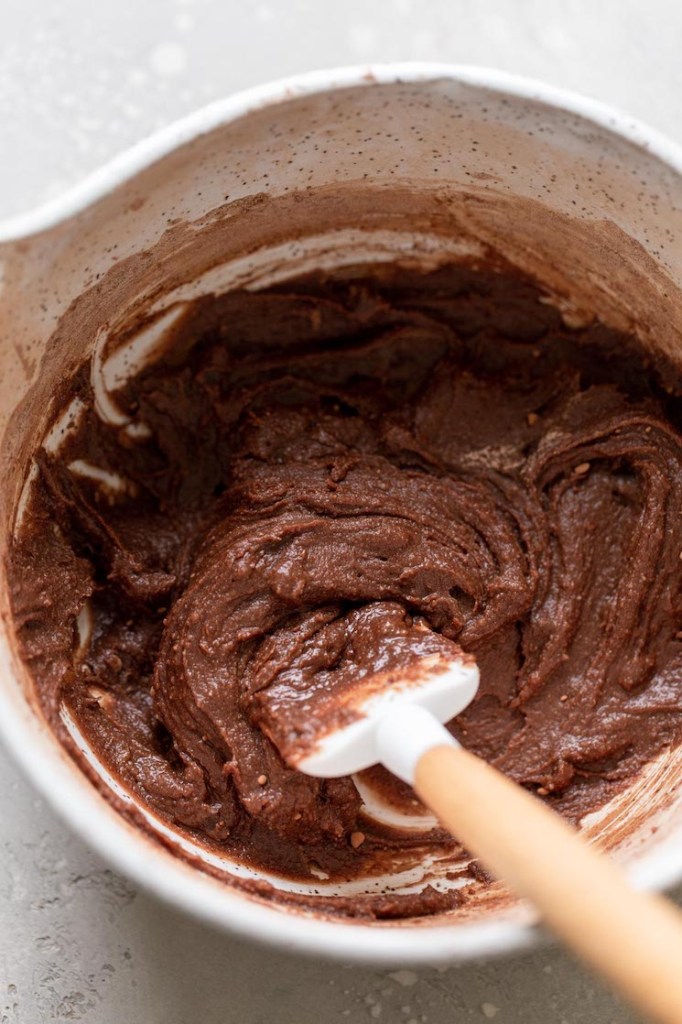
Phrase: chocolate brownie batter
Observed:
(326, 473)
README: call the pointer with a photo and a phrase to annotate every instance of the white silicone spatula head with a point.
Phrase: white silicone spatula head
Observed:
(438, 692)
(321, 688)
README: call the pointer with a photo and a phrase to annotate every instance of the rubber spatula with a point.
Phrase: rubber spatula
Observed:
(633, 939)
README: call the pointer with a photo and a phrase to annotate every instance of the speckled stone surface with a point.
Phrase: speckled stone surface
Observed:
(79, 81)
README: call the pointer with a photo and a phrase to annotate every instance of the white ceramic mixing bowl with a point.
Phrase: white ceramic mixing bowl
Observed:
(412, 162)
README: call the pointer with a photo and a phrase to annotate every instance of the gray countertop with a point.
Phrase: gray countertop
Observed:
(79, 81)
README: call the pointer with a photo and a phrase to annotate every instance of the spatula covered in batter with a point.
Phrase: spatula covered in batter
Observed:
(382, 697)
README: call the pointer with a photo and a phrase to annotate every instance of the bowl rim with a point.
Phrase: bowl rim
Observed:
(34, 747)
(149, 150)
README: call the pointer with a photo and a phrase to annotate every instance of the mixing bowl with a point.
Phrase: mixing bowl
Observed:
(416, 163)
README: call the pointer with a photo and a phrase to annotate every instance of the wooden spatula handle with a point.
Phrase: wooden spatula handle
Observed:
(633, 939)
